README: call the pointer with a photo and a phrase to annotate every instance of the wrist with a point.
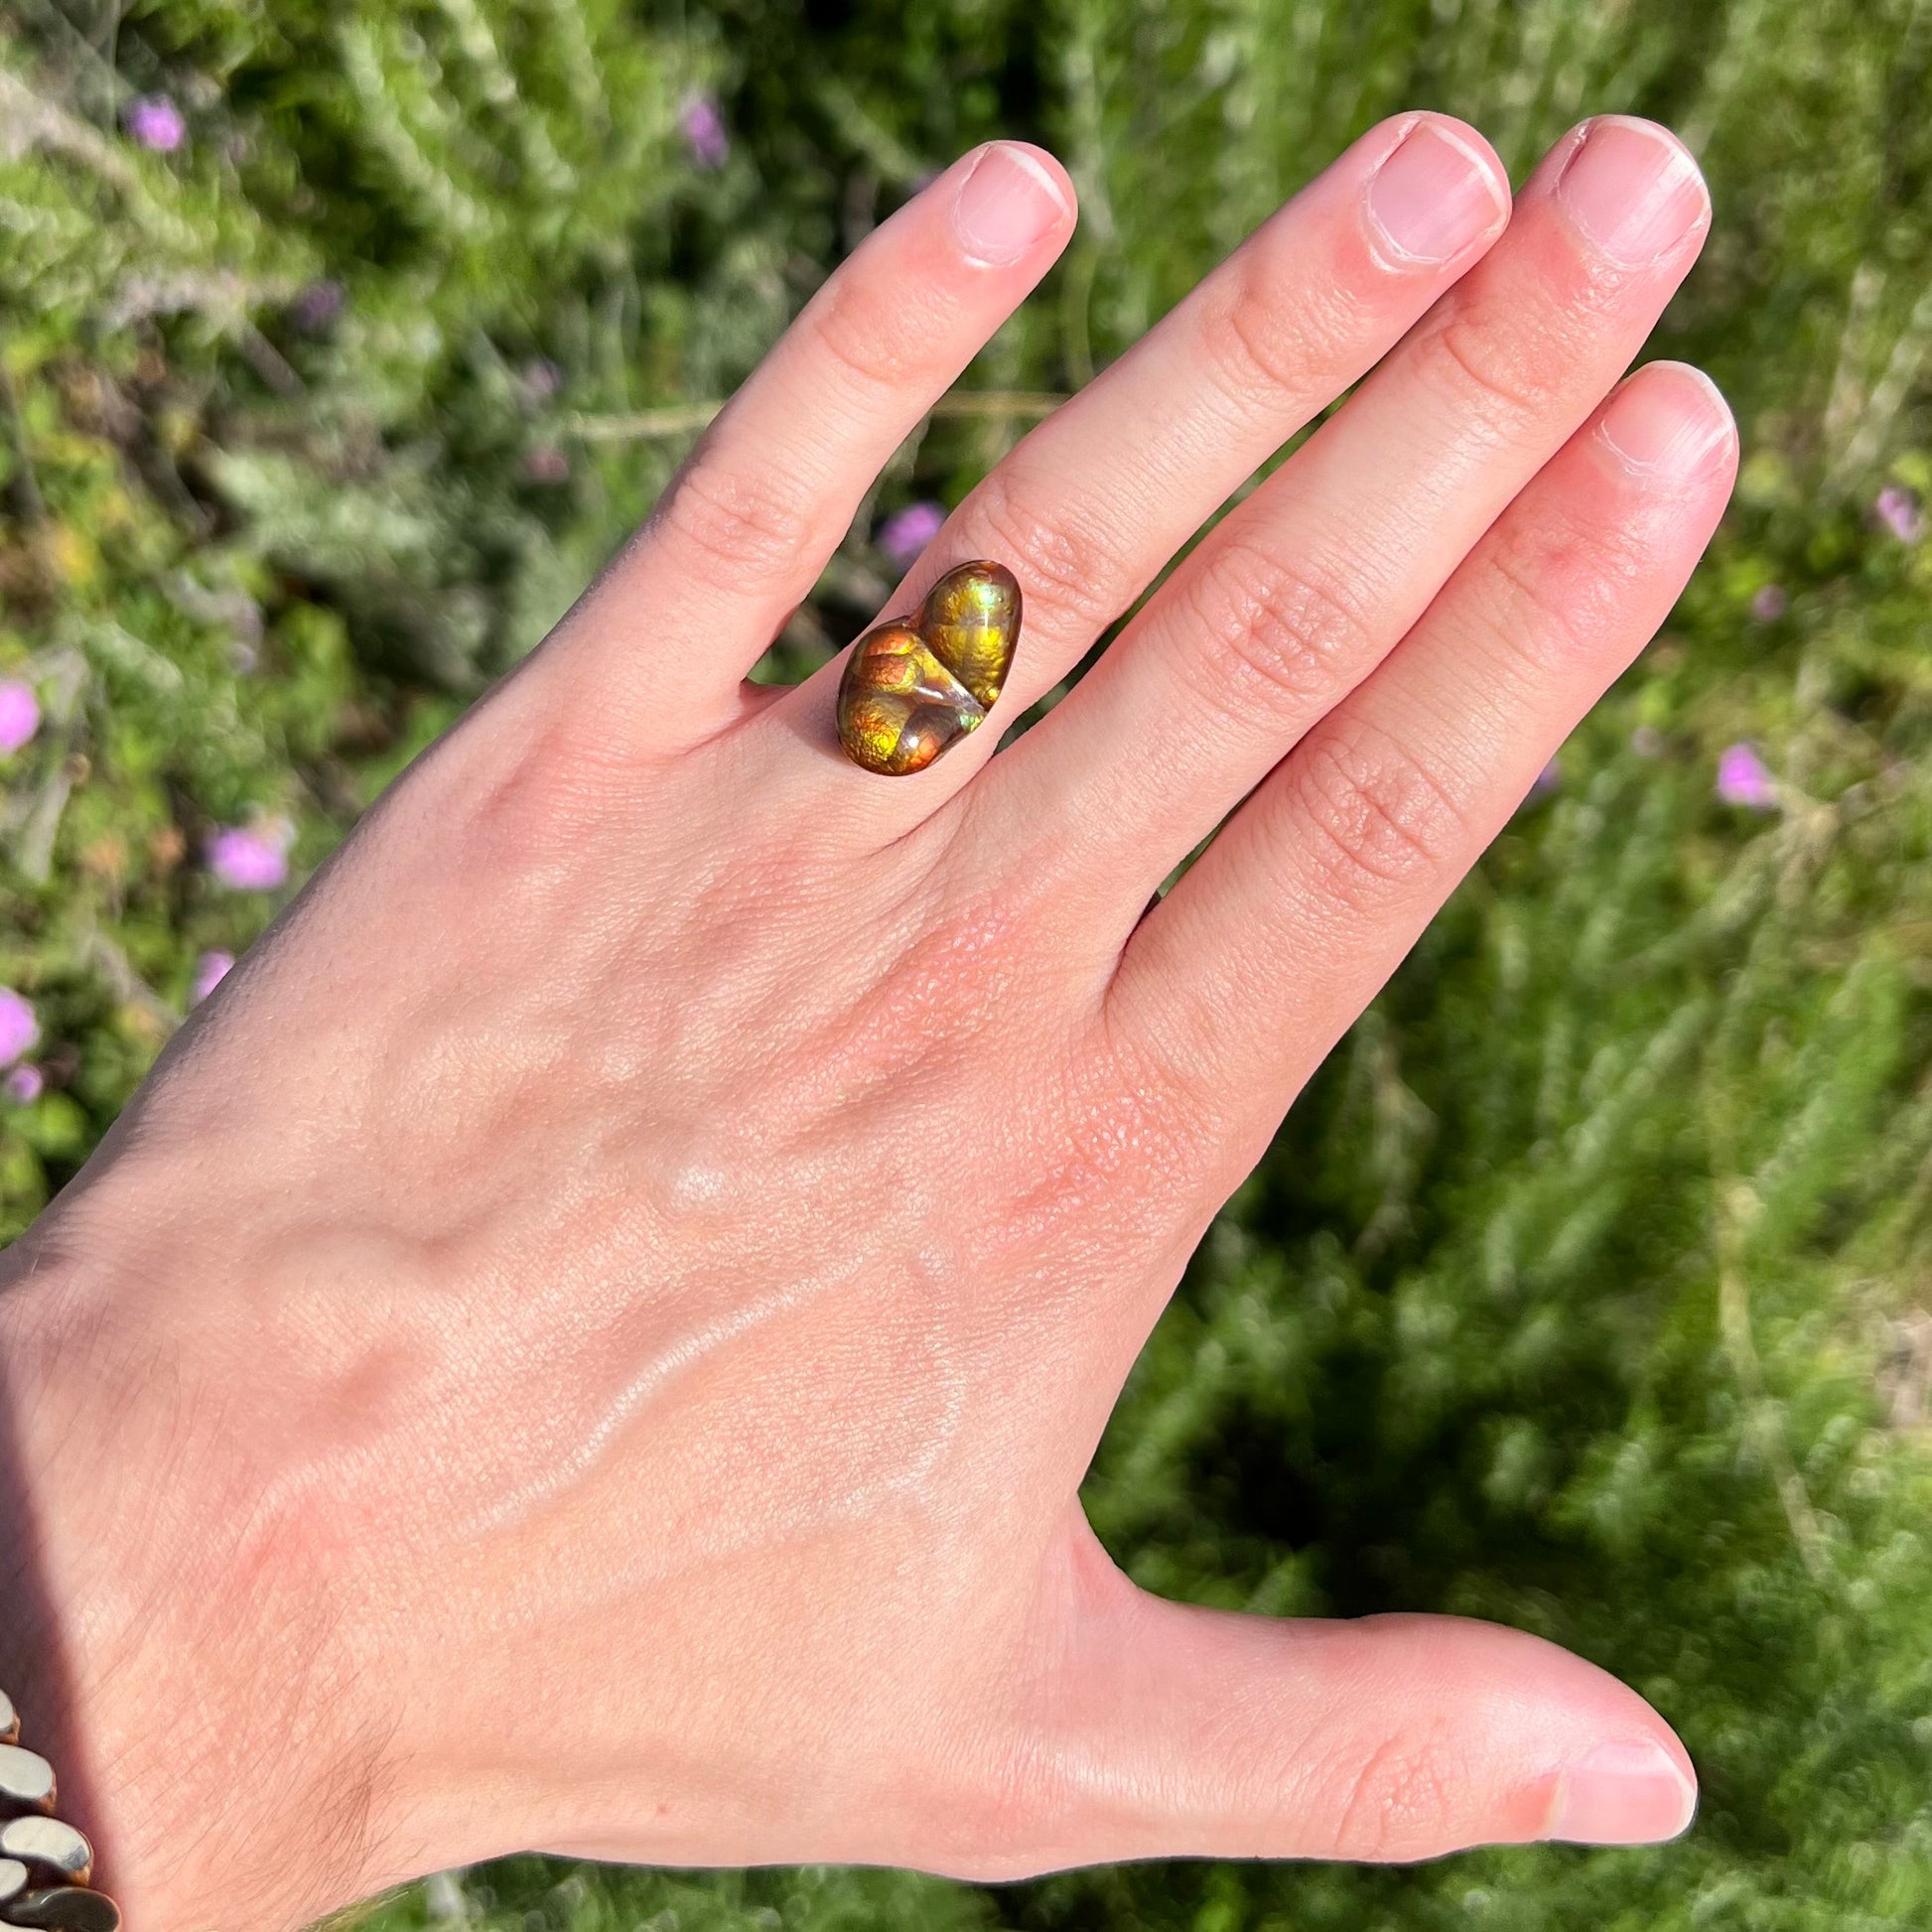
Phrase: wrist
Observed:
(174, 1653)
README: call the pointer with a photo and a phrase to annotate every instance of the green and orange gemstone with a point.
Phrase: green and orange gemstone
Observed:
(914, 686)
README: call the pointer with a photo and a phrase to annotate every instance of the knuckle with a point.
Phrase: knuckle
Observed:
(1072, 575)
(1538, 618)
(1397, 1805)
(752, 522)
(1561, 587)
(1488, 365)
(1375, 818)
(546, 799)
(877, 338)
(1261, 341)
(1129, 1129)
(1288, 636)
(1158, 1086)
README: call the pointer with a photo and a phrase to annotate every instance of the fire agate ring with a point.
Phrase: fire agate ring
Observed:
(914, 686)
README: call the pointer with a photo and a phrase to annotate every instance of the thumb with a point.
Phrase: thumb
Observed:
(1175, 1731)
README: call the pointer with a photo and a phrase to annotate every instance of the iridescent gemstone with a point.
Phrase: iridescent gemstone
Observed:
(914, 686)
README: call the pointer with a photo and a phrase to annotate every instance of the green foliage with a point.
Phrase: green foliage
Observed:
(1581, 1288)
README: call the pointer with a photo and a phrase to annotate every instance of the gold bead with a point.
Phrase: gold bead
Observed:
(914, 686)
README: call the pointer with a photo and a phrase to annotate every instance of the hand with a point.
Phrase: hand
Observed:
(592, 1338)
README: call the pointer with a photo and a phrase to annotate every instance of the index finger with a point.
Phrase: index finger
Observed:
(665, 639)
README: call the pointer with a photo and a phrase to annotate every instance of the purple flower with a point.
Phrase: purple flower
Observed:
(541, 378)
(20, 714)
(546, 465)
(317, 306)
(23, 1085)
(1744, 779)
(1770, 603)
(1548, 779)
(907, 532)
(19, 1029)
(250, 857)
(1898, 510)
(155, 121)
(703, 128)
(210, 971)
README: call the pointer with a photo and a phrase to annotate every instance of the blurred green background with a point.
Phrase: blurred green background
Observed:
(1587, 1286)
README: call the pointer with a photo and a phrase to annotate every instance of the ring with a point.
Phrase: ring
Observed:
(914, 686)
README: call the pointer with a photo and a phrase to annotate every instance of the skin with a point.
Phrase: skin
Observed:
(591, 1337)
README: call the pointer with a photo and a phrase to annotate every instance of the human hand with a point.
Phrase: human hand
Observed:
(592, 1338)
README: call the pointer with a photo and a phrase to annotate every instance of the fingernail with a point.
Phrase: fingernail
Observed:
(1006, 205)
(1434, 196)
(1668, 419)
(1633, 189)
(1622, 1794)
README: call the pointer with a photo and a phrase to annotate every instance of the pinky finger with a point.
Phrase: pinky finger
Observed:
(1342, 856)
